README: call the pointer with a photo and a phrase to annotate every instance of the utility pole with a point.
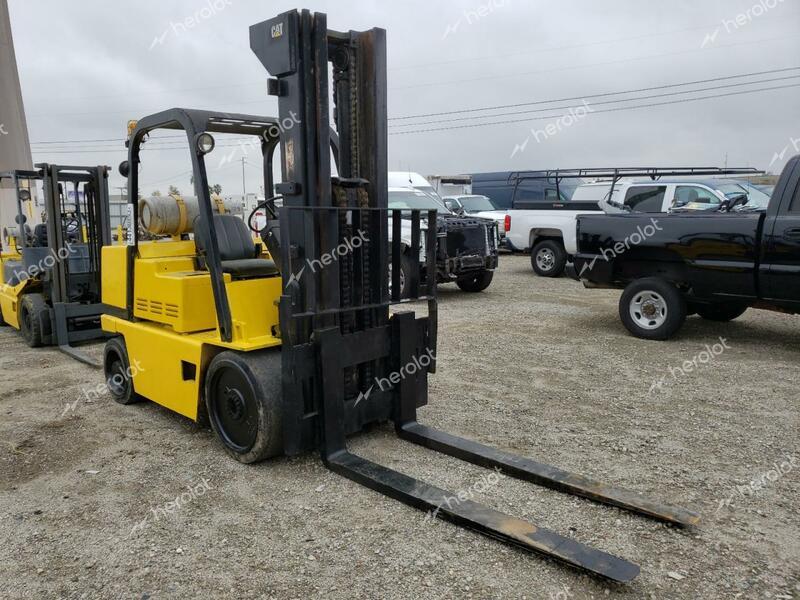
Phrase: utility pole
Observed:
(244, 187)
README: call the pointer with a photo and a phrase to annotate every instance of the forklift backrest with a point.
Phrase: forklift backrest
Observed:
(237, 250)
(233, 238)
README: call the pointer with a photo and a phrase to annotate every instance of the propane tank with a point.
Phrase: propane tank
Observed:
(175, 215)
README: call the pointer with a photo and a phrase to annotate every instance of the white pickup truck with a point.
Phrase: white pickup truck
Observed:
(538, 214)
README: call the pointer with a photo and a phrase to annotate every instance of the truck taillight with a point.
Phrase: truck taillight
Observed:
(507, 224)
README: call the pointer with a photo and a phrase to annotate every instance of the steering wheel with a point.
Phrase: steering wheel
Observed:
(269, 204)
(72, 225)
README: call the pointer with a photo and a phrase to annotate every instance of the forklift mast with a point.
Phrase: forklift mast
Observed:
(346, 361)
(346, 303)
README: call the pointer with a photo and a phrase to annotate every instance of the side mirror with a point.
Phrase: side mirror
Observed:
(21, 221)
(24, 195)
(124, 168)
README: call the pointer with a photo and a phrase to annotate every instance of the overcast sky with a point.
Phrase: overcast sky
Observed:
(87, 67)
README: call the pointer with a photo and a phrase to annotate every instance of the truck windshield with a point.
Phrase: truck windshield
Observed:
(473, 204)
(413, 200)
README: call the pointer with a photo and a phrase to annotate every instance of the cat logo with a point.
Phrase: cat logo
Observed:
(277, 31)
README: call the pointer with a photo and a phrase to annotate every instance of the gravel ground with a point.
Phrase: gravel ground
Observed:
(99, 500)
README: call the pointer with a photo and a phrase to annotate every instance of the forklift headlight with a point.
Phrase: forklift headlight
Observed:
(205, 143)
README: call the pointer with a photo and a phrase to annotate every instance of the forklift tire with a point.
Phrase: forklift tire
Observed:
(117, 370)
(476, 283)
(721, 313)
(549, 258)
(33, 311)
(652, 308)
(243, 397)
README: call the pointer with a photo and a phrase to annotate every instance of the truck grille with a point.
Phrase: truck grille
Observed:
(468, 240)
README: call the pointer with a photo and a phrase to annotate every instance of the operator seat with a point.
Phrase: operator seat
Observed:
(237, 250)
(40, 235)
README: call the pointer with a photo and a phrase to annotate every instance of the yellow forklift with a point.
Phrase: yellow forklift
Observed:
(50, 286)
(293, 354)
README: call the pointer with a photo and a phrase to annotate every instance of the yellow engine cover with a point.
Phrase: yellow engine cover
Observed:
(177, 333)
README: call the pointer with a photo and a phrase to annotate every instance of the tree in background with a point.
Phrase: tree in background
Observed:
(156, 193)
(212, 189)
(173, 191)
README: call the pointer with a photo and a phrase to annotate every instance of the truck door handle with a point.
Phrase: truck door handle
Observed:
(792, 234)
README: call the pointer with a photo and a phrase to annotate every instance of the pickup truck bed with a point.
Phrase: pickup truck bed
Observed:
(715, 264)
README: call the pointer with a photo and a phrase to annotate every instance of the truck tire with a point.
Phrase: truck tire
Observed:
(652, 308)
(476, 283)
(117, 370)
(405, 276)
(721, 312)
(243, 396)
(548, 258)
(33, 311)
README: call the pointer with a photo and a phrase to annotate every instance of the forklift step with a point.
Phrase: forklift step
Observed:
(482, 519)
(541, 474)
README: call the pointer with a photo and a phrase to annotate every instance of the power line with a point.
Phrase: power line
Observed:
(646, 36)
(637, 98)
(168, 138)
(471, 126)
(585, 96)
(618, 109)
(588, 65)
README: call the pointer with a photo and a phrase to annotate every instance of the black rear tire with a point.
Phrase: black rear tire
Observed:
(476, 283)
(118, 372)
(549, 258)
(405, 276)
(652, 308)
(34, 319)
(721, 313)
(243, 395)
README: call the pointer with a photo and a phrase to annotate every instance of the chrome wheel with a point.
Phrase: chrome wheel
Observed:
(546, 259)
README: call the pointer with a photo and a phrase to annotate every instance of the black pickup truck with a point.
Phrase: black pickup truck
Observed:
(716, 265)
